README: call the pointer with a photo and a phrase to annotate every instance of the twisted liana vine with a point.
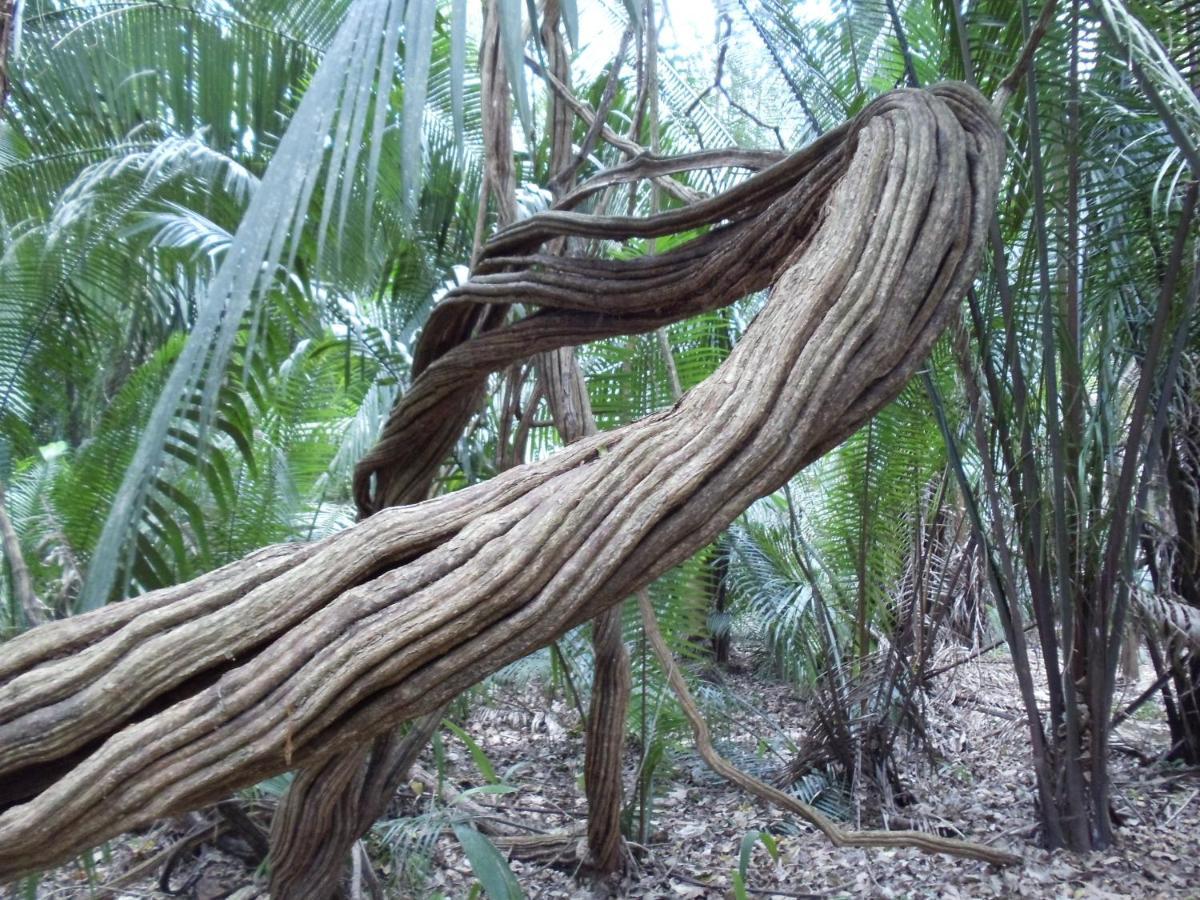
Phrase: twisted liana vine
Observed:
(172, 700)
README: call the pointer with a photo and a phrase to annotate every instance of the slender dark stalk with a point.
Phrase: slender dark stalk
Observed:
(975, 654)
(783, 68)
(1021, 477)
(1003, 583)
(643, 786)
(1026, 487)
(563, 178)
(964, 46)
(8, 15)
(570, 680)
(910, 70)
(1141, 403)
(1073, 254)
(1073, 798)
(1112, 595)
(1140, 700)
(1149, 466)
(1034, 37)
(1176, 129)
(862, 643)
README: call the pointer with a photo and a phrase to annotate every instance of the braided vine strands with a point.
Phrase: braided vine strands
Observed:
(171, 701)
(755, 228)
(566, 394)
(332, 804)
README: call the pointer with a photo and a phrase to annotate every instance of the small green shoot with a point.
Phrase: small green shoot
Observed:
(748, 841)
(488, 864)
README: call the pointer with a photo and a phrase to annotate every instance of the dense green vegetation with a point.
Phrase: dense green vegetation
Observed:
(157, 422)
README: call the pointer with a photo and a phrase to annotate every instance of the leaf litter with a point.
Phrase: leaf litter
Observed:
(976, 784)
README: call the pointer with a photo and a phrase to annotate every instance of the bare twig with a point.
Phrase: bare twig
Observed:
(1009, 85)
(1181, 807)
(784, 69)
(563, 178)
(1140, 700)
(628, 147)
(724, 26)
(975, 655)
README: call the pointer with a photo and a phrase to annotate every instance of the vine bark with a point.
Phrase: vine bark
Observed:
(172, 700)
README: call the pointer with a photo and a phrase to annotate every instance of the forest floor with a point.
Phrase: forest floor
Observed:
(977, 785)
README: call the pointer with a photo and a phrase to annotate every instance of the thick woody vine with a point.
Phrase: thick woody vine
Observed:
(170, 701)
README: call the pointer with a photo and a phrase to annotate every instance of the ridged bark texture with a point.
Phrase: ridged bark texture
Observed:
(566, 392)
(329, 806)
(332, 791)
(170, 701)
(611, 687)
(565, 389)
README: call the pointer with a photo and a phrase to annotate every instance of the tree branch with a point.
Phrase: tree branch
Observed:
(629, 148)
(1009, 85)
